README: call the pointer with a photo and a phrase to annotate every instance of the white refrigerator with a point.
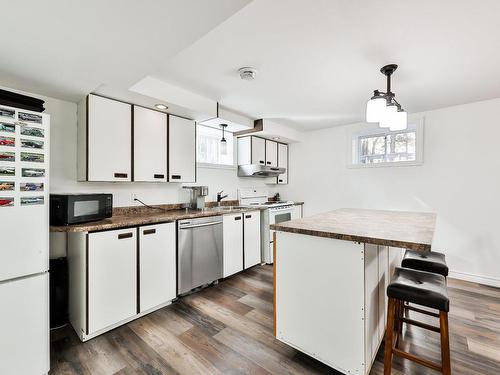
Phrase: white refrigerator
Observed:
(24, 242)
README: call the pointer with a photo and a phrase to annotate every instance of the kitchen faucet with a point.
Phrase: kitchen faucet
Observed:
(220, 197)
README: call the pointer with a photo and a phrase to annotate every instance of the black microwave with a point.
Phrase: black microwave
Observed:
(67, 209)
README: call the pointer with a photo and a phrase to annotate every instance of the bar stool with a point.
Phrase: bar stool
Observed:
(424, 289)
(430, 262)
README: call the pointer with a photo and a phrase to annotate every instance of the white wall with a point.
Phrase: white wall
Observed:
(63, 172)
(63, 167)
(459, 180)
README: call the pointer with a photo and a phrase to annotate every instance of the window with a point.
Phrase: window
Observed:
(208, 146)
(378, 147)
(387, 147)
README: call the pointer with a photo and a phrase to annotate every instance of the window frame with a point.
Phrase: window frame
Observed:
(366, 130)
(227, 134)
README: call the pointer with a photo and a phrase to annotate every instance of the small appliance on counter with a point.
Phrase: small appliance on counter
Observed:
(67, 209)
(198, 194)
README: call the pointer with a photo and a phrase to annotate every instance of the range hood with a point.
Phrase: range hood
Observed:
(257, 170)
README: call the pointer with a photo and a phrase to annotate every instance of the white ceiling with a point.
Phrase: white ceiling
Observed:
(318, 60)
(66, 49)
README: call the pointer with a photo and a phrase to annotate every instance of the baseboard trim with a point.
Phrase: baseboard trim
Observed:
(485, 280)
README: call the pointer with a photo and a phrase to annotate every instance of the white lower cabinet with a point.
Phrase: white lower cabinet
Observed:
(112, 282)
(232, 244)
(251, 239)
(119, 275)
(157, 265)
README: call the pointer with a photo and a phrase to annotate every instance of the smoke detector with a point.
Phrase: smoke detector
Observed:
(247, 73)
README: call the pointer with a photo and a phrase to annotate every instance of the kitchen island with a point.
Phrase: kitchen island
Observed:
(331, 271)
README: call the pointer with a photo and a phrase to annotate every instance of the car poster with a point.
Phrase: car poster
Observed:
(35, 158)
(7, 141)
(6, 112)
(31, 186)
(7, 127)
(7, 171)
(7, 185)
(33, 172)
(7, 156)
(31, 131)
(28, 143)
(31, 117)
(6, 201)
(30, 201)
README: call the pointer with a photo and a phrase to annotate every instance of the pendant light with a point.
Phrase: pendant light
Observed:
(383, 107)
(223, 142)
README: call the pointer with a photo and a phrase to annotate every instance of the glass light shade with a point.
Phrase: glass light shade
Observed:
(223, 147)
(387, 117)
(399, 121)
(375, 109)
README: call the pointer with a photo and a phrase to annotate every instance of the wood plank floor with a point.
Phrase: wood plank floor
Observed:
(227, 329)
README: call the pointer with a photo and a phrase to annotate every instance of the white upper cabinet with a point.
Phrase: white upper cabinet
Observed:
(104, 140)
(283, 163)
(271, 153)
(258, 150)
(150, 145)
(181, 150)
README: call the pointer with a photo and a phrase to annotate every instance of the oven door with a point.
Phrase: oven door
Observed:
(276, 216)
(84, 208)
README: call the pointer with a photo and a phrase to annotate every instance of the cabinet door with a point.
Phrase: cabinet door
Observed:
(258, 151)
(271, 153)
(297, 212)
(181, 149)
(232, 244)
(150, 145)
(283, 163)
(157, 265)
(251, 238)
(112, 277)
(109, 140)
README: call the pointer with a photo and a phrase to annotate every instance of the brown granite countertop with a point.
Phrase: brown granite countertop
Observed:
(410, 230)
(131, 217)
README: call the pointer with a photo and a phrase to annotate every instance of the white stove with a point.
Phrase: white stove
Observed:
(271, 213)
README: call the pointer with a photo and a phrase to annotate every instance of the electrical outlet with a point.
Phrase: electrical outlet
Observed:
(133, 197)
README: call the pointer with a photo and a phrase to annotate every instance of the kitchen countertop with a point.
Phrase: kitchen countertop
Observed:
(410, 230)
(131, 218)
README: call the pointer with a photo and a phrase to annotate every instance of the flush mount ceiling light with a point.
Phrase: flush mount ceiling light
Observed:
(161, 106)
(247, 73)
(383, 107)
(223, 142)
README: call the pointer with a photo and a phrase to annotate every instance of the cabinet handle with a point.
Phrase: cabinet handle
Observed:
(248, 216)
(261, 162)
(237, 218)
(121, 175)
(125, 235)
(149, 231)
(159, 176)
(268, 162)
(280, 180)
(175, 177)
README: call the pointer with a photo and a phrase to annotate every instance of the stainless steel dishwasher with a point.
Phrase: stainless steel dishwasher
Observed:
(199, 252)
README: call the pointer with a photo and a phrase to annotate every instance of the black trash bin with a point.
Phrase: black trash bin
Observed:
(58, 292)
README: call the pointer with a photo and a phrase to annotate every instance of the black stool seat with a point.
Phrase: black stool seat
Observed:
(423, 288)
(430, 262)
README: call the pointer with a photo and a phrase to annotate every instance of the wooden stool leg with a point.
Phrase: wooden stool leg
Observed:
(389, 333)
(445, 343)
